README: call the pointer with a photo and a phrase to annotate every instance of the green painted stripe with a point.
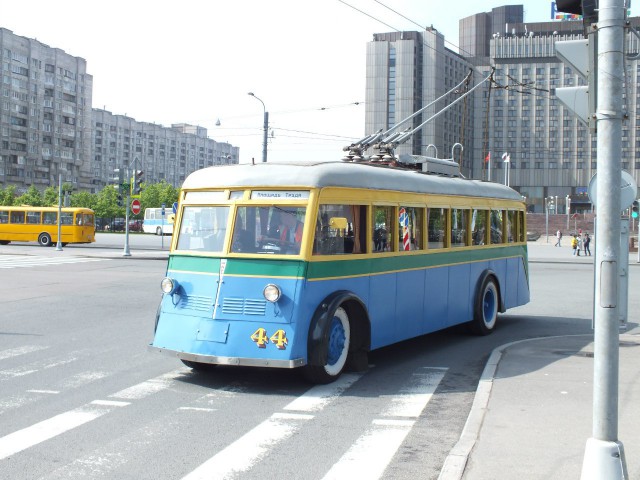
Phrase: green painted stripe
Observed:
(194, 264)
(366, 266)
(238, 266)
(342, 266)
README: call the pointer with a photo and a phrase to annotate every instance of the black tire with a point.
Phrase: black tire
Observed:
(199, 367)
(44, 239)
(336, 345)
(4, 242)
(485, 311)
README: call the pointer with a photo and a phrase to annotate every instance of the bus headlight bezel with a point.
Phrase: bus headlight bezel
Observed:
(272, 293)
(169, 286)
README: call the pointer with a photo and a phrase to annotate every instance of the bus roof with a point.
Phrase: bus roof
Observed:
(18, 208)
(341, 174)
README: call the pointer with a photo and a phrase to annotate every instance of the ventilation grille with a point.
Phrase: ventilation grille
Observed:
(195, 302)
(244, 306)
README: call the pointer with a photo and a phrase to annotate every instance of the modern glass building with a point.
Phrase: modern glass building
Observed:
(407, 70)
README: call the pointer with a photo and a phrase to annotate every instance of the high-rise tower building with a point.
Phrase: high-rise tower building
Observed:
(408, 70)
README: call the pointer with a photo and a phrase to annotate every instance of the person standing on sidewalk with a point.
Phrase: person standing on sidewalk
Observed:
(574, 244)
(579, 243)
(559, 237)
(587, 241)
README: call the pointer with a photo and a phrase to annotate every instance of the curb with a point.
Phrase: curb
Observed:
(456, 462)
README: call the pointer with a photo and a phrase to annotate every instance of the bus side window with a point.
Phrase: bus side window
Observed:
(436, 226)
(33, 218)
(459, 220)
(410, 228)
(479, 227)
(333, 239)
(383, 239)
(17, 217)
(511, 226)
(496, 226)
(4, 216)
(50, 218)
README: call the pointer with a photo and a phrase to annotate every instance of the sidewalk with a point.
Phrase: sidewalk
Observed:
(541, 251)
(532, 413)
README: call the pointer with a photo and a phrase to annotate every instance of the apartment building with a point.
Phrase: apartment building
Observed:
(45, 115)
(49, 129)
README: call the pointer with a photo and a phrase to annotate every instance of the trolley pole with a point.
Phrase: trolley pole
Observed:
(604, 453)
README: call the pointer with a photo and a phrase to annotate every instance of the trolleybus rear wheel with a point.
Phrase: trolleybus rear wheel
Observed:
(338, 340)
(485, 312)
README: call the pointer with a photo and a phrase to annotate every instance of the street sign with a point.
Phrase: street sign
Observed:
(135, 206)
(628, 190)
(175, 207)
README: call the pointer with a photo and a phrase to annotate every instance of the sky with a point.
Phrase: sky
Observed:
(195, 61)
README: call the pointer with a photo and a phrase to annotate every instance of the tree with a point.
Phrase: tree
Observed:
(154, 195)
(50, 197)
(8, 195)
(106, 205)
(83, 199)
(31, 197)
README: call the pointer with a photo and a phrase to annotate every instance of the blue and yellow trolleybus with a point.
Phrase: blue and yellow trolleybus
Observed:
(315, 265)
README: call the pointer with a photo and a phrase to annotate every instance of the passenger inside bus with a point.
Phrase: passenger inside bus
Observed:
(289, 228)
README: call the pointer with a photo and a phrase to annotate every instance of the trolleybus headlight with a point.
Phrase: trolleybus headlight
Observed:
(169, 285)
(272, 293)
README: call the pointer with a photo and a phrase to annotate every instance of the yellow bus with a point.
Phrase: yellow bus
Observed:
(40, 224)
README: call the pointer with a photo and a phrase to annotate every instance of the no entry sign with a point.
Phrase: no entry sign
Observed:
(135, 206)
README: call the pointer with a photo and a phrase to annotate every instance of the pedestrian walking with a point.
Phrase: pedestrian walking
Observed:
(574, 244)
(559, 237)
(586, 243)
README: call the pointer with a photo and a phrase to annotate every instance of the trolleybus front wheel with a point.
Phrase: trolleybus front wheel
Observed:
(485, 312)
(336, 346)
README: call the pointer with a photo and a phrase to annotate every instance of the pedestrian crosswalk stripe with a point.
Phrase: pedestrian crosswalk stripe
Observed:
(373, 451)
(23, 261)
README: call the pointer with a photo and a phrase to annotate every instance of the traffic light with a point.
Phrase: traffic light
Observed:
(119, 199)
(634, 209)
(138, 178)
(119, 179)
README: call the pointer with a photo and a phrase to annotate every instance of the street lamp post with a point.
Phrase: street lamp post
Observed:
(266, 128)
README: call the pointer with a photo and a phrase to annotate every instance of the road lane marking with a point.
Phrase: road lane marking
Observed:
(245, 452)
(52, 427)
(14, 352)
(319, 396)
(17, 261)
(52, 392)
(149, 387)
(372, 452)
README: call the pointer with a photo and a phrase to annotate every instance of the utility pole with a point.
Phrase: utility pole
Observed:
(604, 453)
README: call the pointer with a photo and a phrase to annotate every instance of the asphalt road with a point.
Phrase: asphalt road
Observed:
(82, 397)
